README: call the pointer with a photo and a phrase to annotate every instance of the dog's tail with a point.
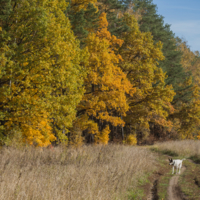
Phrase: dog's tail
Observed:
(183, 159)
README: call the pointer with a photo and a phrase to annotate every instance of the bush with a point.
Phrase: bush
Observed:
(131, 139)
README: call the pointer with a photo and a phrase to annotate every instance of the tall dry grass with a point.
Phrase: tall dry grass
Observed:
(87, 173)
(186, 148)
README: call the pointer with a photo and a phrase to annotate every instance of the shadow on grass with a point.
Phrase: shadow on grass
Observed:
(195, 159)
(165, 152)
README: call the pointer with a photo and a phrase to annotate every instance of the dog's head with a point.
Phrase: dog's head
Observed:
(171, 162)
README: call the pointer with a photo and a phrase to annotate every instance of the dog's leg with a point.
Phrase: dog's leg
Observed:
(173, 170)
(180, 168)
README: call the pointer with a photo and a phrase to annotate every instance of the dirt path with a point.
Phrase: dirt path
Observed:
(173, 189)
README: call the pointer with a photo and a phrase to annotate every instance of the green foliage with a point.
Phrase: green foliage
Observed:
(5, 10)
(42, 80)
(83, 21)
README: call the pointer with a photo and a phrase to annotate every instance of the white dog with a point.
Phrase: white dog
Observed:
(176, 163)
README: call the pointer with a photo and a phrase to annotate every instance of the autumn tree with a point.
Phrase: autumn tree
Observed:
(152, 100)
(187, 115)
(104, 101)
(154, 23)
(172, 65)
(42, 80)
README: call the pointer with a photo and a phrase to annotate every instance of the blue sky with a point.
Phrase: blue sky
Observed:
(184, 18)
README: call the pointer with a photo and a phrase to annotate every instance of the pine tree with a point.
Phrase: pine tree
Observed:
(114, 10)
(5, 10)
(83, 21)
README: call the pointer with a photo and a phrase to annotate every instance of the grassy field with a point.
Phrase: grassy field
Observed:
(112, 172)
(87, 173)
(184, 148)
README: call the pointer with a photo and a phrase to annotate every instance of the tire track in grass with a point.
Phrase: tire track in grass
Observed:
(173, 191)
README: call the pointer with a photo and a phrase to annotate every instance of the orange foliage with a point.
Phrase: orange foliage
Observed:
(106, 84)
(39, 135)
(103, 136)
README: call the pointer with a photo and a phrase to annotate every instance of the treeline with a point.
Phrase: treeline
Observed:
(94, 71)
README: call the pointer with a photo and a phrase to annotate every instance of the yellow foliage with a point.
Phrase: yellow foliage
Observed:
(103, 136)
(198, 136)
(83, 122)
(151, 100)
(35, 130)
(77, 5)
(40, 135)
(131, 139)
(188, 116)
(43, 77)
(186, 135)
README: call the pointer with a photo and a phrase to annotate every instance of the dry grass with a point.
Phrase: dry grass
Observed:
(186, 148)
(88, 173)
